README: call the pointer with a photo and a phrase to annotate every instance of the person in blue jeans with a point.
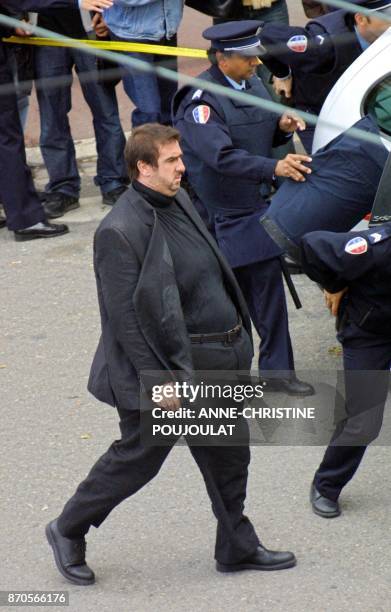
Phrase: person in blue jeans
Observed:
(56, 142)
(153, 22)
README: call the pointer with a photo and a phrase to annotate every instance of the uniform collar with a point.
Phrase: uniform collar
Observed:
(239, 86)
(364, 44)
(220, 77)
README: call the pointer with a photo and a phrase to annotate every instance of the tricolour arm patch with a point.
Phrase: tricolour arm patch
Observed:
(201, 113)
(356, 246)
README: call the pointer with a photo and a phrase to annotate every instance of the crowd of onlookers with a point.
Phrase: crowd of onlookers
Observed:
(150, 94)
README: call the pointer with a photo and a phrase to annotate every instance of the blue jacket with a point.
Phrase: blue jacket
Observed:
(144, 19)
(227, 152)
(339, 192)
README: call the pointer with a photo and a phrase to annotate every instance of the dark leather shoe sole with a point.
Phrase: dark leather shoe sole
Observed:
(39, 234)
(238, 567)
(57, 215)
(323, 514)
(60, 567)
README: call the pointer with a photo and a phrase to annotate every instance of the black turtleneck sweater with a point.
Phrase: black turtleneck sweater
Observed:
(207, 305)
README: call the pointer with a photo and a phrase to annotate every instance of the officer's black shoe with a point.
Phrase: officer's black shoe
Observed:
(56, 204)
(110, 198)
(41, 230)
(262, 559)
(290, 386)
(70, 556)
(323, 506)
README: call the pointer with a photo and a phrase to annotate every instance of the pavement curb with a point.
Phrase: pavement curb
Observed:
(84, 148)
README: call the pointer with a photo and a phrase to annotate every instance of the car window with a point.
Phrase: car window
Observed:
(378, 104)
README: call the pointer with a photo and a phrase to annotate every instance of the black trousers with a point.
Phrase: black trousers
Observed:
(128, 465)
(17, 192)
(367, 360)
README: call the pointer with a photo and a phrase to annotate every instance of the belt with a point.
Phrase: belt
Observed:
(280, 238)
(228, 336)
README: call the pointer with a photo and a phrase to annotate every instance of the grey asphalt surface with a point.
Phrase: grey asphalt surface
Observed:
(155, 552)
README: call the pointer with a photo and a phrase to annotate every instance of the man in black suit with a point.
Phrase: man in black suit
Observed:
(170, 303)
(25, 214)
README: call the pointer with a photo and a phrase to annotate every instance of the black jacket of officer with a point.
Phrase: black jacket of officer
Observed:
(317, 55)
(359, 261)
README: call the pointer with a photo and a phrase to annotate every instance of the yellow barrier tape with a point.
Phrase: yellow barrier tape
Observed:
(110, 46)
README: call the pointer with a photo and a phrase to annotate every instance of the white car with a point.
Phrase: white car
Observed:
(368, 77)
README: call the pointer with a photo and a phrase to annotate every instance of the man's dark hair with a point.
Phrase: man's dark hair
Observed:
(212, 55)
(350, 20)
(143, 145)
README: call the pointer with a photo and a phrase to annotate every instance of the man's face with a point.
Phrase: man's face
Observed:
(370, 28)
(166, 177)
(238, 67)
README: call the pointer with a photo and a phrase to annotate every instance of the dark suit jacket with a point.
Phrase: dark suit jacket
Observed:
(143, 327)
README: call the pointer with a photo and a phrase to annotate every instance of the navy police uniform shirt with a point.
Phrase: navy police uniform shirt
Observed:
(227, 148)
(360, 261)
(317, 55)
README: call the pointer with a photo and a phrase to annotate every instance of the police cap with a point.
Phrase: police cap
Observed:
(373, 5)
(236, 36)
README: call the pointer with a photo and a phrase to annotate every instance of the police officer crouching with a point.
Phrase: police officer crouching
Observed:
(227, 146)
(354, 268)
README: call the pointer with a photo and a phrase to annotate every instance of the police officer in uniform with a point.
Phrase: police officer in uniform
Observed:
(227, 151)
(308, 61)
(354, 268)
(24, 212)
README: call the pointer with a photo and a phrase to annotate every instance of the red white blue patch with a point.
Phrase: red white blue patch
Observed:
(201, 113)
(356, 246)
(298, 43)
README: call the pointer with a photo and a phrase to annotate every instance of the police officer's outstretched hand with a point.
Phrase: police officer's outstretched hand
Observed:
(290, 122)
(292, 166)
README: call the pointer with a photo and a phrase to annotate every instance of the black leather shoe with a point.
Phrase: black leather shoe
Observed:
(110, 198)
(70, 556)
(262, 559)
(290, 386)
(46, 230)
(323, 506)
(56, 204)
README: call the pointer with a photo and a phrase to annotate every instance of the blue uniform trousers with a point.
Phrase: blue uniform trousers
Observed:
(367, 359)
(262, 286)
(17, 193)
